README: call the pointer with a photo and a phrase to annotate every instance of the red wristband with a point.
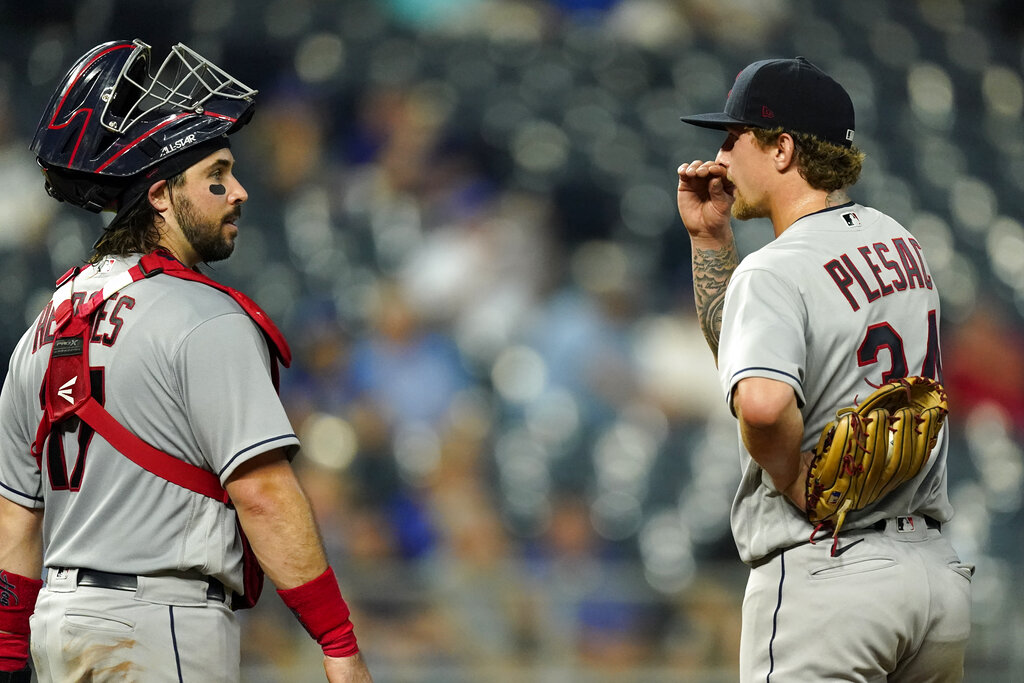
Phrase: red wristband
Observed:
(13, 651)
(17, 602)
(322, 611)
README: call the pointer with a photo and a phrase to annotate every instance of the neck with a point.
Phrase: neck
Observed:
(836, 198)
(174, 241)
(789, 210)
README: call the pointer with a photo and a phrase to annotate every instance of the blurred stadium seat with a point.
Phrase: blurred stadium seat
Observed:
(478, 195)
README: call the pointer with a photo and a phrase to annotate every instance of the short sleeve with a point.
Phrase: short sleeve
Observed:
(223, 368)
(20, 479)
(762, 332)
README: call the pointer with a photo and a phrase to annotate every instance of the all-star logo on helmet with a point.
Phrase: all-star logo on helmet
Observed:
(178, 144)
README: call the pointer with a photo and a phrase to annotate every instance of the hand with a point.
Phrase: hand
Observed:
(796, 492)
(705, 199)
(347, 669)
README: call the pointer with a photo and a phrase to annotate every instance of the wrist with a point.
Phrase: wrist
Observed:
(796, 489)
(321, 610)
(796, 494)
(717, 239)
(13, 652)
(18, 601)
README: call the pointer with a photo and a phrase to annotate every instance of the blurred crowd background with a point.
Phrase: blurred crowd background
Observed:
(462, 215)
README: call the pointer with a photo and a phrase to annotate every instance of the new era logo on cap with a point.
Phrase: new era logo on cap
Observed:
(767, 113)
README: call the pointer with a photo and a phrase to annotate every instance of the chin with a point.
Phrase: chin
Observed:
(742, 211)
(218, 252)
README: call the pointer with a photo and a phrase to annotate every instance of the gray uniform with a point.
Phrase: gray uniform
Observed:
(841, 302)
(183, 367)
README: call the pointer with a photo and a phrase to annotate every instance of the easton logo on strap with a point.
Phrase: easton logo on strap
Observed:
(66, 390)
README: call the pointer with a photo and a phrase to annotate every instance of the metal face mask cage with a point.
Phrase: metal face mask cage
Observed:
(185, 81)
(112, 119)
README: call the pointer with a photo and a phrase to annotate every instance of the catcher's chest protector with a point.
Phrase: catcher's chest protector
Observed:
(66, 391)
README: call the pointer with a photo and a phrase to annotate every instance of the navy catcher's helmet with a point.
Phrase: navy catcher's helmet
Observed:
(113, 117)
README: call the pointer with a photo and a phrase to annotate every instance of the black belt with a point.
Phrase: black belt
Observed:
(130, 582)
(930, 522)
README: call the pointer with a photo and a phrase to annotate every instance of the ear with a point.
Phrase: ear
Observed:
(784, 152)
(159, 196)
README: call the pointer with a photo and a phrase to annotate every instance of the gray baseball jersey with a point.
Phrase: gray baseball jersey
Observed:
(840, 303)
(184, 368)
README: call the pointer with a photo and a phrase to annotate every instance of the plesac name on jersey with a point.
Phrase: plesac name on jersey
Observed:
(878, 270)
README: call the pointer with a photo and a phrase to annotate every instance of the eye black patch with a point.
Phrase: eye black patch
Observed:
(218, 189)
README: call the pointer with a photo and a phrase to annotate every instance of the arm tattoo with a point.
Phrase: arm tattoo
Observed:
(712, 269)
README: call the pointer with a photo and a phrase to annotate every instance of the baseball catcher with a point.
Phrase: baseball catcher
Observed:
(872, 448)
(158, 488)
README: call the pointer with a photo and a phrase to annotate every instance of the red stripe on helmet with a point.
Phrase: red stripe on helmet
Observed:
(52, 125)
(156, 128)
(220, 116)
(141, 138)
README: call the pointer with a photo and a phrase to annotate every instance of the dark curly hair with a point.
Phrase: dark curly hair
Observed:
(823, 165)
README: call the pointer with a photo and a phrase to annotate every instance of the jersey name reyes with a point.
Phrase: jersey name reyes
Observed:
(875, 270)
(106, 324)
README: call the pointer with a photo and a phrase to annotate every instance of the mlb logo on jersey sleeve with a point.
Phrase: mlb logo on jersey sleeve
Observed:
(851, 219)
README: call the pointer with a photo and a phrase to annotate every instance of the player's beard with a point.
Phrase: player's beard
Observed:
(744, 209)
(206, 236)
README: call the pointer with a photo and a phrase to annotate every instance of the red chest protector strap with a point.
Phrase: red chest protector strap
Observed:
(66, 385)
(161, 261)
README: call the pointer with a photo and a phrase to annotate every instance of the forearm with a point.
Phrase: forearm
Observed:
(20, 568)
(776, 448)
(278, 521)
(713, 264)
(772, 429)
(21, 541)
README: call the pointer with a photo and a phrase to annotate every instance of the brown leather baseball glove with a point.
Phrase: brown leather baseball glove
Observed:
(872, 448)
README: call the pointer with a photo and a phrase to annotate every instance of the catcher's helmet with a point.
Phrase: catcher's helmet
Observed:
(112, 117)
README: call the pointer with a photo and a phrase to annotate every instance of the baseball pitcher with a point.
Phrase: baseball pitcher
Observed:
(827, 344)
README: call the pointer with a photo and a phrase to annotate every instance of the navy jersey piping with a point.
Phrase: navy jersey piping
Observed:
(826, 210)
(759, 367)
(775, 618)
(174, 643)
(20, 493)
(249, 448)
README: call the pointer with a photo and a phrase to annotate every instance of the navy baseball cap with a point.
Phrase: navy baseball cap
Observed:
(792, 94)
